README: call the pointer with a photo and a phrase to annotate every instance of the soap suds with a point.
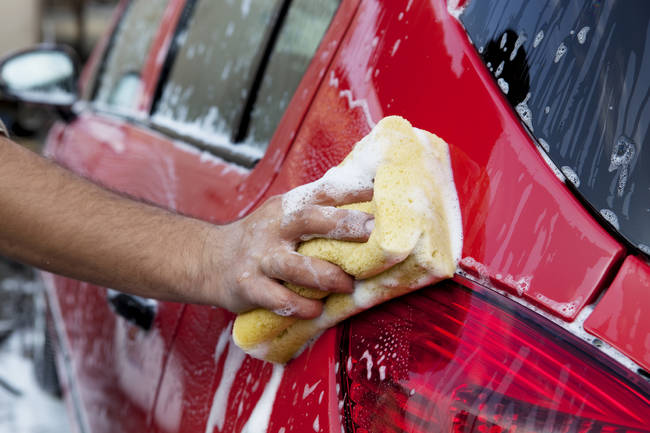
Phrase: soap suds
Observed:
(259, 419)
(525, 113)
(571, 175)
(231, 366)
(560, 52)
(309, 389)
(582, 35)
(503, 85)
(611, 217)
(366, 355)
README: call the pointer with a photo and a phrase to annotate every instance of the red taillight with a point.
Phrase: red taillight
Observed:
(445, 359)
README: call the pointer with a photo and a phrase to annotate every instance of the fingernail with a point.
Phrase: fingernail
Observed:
(370, 225)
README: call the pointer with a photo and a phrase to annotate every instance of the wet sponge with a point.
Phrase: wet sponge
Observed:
(416, 241)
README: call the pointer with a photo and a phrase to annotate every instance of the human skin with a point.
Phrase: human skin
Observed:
(56, 221)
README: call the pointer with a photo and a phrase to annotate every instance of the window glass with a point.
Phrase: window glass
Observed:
(120, 79)
(225, 88)
(578, 75)
(215, 64)
(305, 26)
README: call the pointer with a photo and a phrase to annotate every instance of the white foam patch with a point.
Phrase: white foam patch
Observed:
(503, 85)
(560, 52)
(450, 196)
(582, 35)
(454, 9)
(259, 419)
(231, 366)
(611, 217)
(356, 175)
(571, 175)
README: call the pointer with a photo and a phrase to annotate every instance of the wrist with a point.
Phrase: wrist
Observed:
(204, 264)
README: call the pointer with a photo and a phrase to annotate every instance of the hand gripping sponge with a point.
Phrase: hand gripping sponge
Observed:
(416, 241)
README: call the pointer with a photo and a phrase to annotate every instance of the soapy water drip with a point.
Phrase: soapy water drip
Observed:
(538, 38)
(611, 217)
(544, 145)
(503, 85)
(504, 39)
(571, 175)
(521, 38)
(560, 52)
(622, 154)
(582, 35)
(525, 113)
(499, 70)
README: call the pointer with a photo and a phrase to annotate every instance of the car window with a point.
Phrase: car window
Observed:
(120, 77)
(305, 25)
(578, 75)
(234, 69)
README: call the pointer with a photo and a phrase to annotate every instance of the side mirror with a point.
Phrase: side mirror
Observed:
(44, 75)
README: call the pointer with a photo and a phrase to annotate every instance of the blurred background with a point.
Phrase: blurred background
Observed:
(29, 396)
(77, 23)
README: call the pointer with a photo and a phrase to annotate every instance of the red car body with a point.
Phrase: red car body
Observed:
(527, 238)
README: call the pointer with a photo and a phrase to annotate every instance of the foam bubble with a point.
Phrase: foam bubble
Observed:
(503, 85)
(611, 217)
(582, 34)
(560, 52)
(525, 114)
(504, 39)
(538, 38)
(521, 38)
(544, 145)
(571, 175)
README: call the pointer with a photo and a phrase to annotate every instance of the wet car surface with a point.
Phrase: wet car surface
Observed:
(174, 120)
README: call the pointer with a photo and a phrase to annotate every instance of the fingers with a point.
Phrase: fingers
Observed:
(273, 296)
(330, 222)
(307, 272)
(328, 197)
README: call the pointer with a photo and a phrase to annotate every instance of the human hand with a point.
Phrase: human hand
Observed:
(248, 260)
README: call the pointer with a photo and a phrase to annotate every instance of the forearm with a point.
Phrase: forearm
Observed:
(59, 222)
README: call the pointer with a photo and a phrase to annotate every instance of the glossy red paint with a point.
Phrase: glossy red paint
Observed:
(622, 316)
(378, 58)
(524, 230)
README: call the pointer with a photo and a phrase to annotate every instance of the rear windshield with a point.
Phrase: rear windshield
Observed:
(577, 73)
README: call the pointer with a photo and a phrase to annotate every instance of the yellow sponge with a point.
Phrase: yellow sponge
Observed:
(417, 238)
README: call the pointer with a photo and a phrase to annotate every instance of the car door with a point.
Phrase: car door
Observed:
(205, 371)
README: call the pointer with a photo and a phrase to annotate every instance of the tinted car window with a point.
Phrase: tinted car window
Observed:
(578, 73)
(120, 78)
(297, 42)
(234, 70)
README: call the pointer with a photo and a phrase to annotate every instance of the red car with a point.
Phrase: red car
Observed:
(209, 107)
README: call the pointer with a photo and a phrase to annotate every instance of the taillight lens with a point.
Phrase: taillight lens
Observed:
(446, 359)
